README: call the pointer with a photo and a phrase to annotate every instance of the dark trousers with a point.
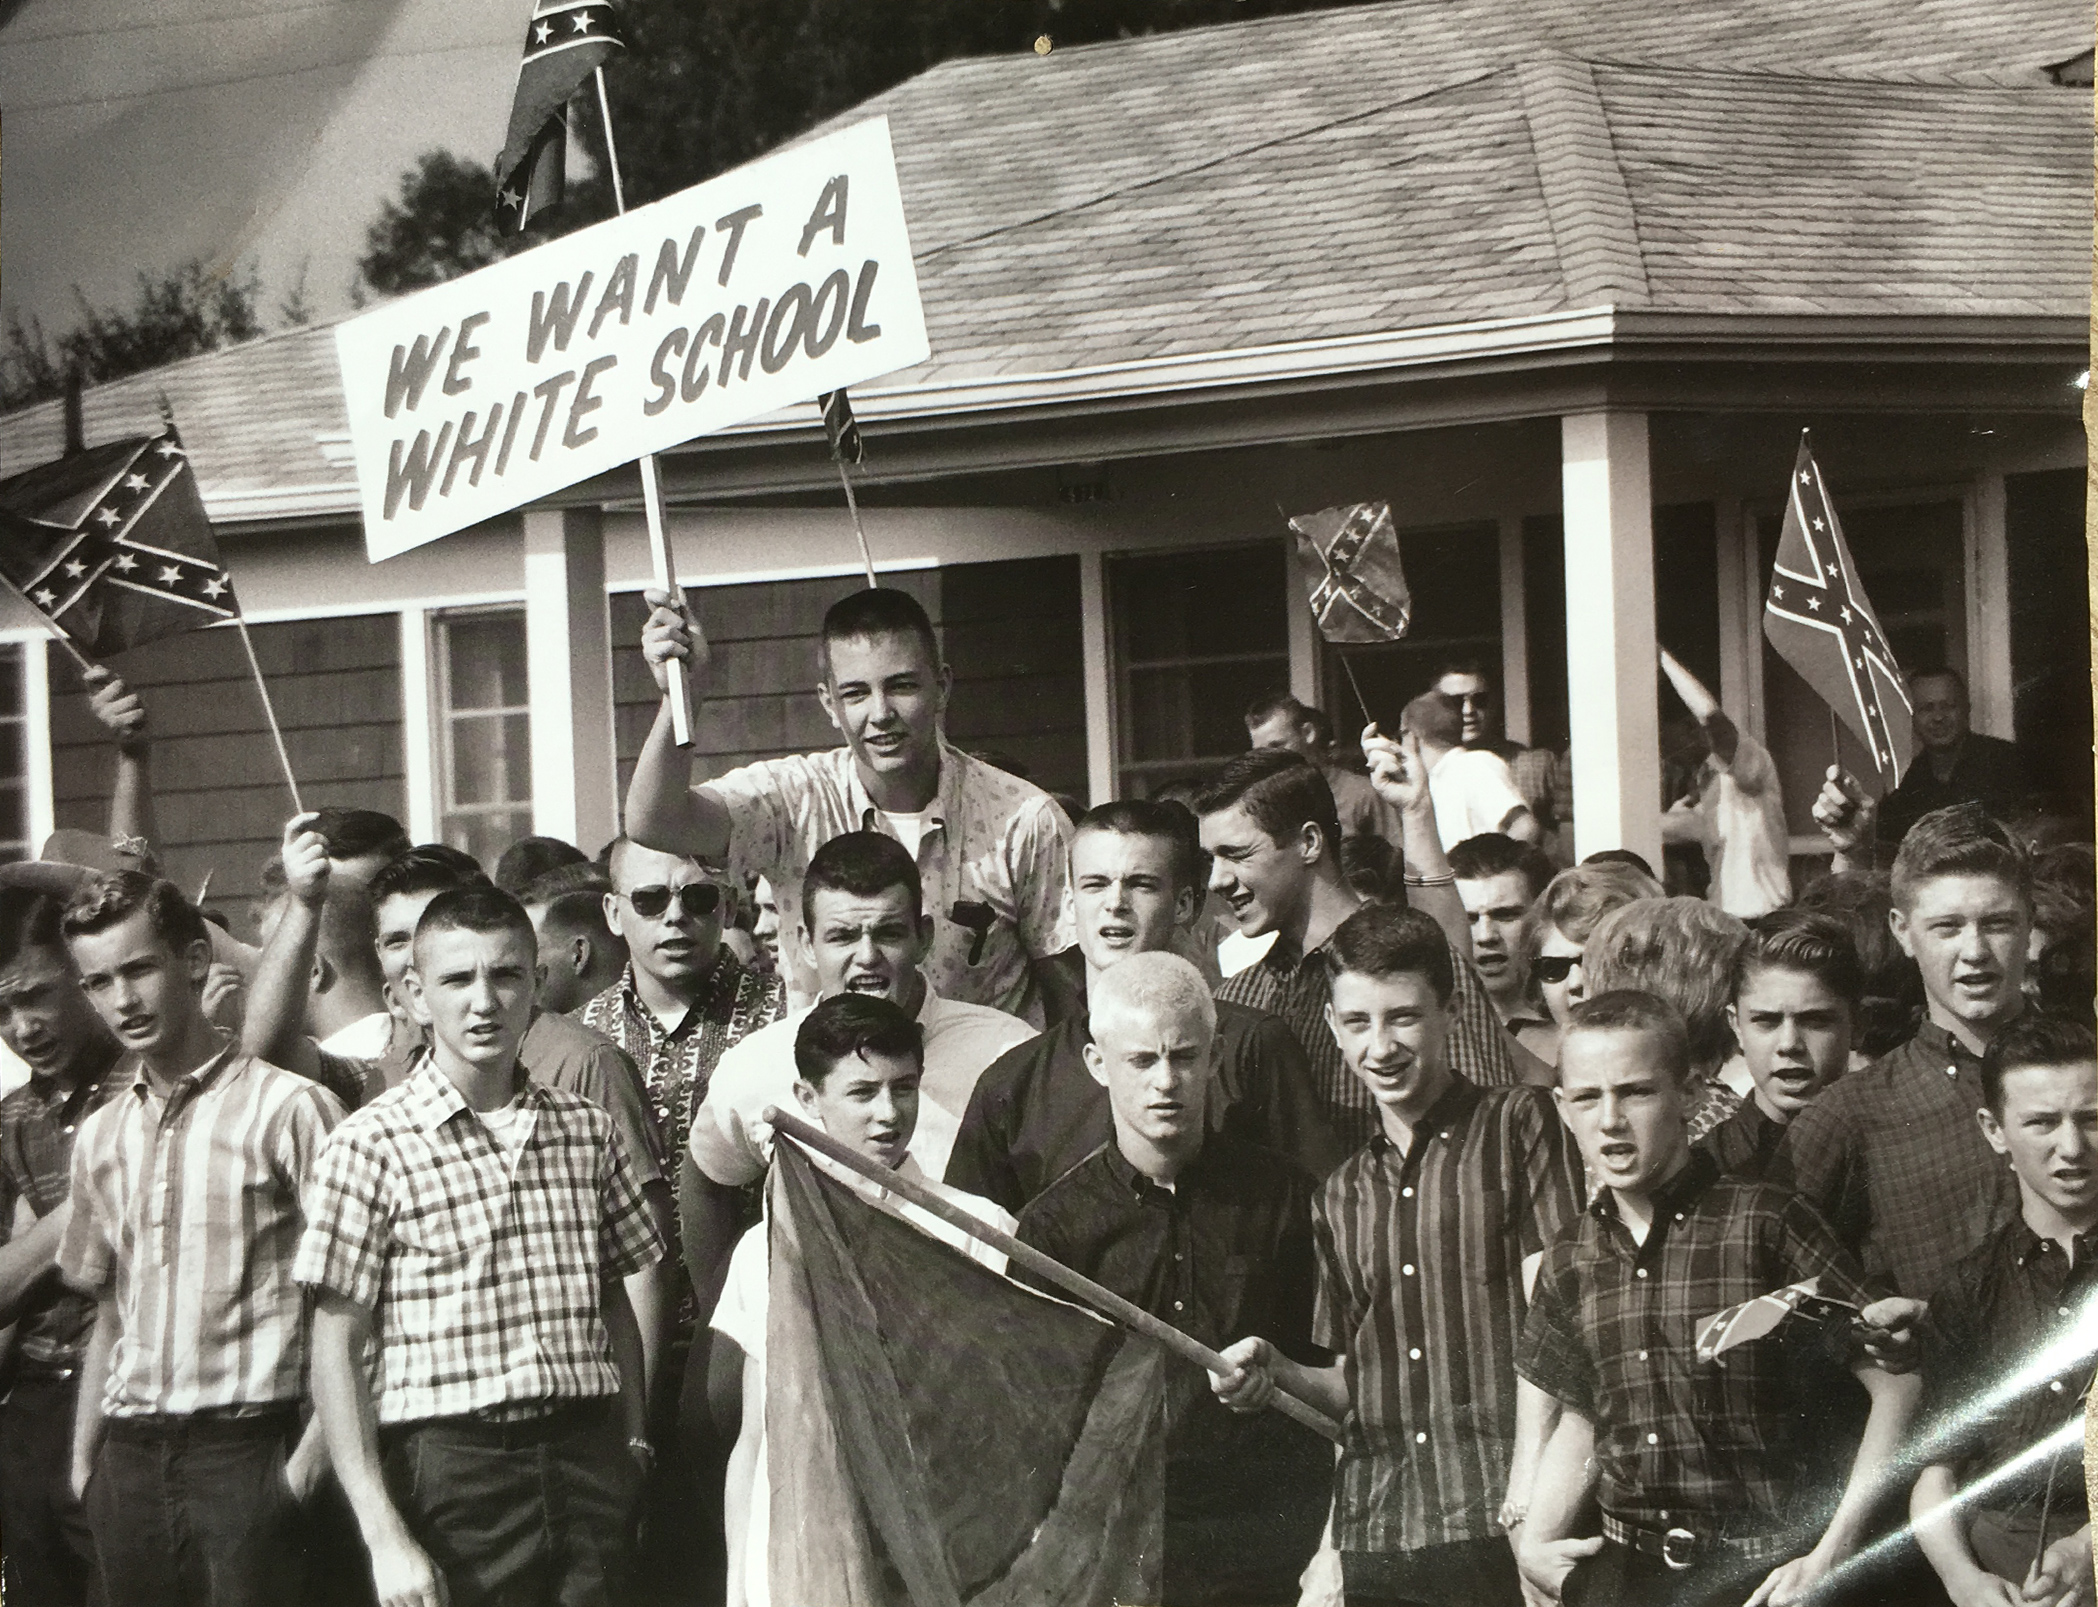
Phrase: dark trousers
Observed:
(683, 1560)
(194, 1512)
(1464, 1573)
(49, 1555)
(532, 1514)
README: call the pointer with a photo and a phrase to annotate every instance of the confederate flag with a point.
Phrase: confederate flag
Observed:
(565, 42)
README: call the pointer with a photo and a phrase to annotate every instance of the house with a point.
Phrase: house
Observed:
(1561, 282)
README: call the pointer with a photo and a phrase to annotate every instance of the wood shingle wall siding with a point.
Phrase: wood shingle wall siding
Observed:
(218, 792)
(1010, 631)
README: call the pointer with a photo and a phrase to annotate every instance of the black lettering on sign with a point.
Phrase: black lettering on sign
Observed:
(548, 391)
(859, 331)
(836, 291)
(586, 403)
(466, 447)
(517, 412)
(619, 292)
(790, 315)
(694, 379)
(659, 374)
(412, 474)
(740, 342)
(410, 371)
(829, 213)
(671, 275)
(463, 353)
(734, 225)
(555, 317)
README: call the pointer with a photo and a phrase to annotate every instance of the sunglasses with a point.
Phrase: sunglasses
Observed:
(1554, 968)
(695, 901)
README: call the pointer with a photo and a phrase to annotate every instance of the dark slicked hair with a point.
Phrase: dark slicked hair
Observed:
(478, 907)
(2034, 1039)
(1379, 940)
(1493, 853)
(360, 833)
(29, 919)
(529, 858)
(426, 868)
(1964, 840)
(1281, 792)
(1265, 707)
(1891, 987)
(106, 900)
(1163, 822)
(1807, 941)
(1629, 1010)
(850, 1026)
(878, 611)
(865, 864)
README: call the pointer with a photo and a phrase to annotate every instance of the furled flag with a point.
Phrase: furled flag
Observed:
(1752, 1319)
(938, 1434)
(1820, 623)
(112, 545)
(565, 42)
(1349, 558)
(841, 427)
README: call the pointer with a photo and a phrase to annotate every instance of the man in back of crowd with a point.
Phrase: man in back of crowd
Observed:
(580, 956)
(1039, 1111)
(1267, 822)
(1544, 778)
(45, 1019)
(1472, 788)
(1280, 721)
(530, 858)
(1499, 879)
(1733, 809)
(989, 848)
(1954, 763)
(346, 1003)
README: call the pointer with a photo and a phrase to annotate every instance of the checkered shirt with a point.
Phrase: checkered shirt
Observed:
(37, 1125)
(485, 1281)
(1612, 1333)
(1296, 987)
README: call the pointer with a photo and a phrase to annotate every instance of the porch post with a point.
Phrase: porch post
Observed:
(1611, 662)
(568, 655)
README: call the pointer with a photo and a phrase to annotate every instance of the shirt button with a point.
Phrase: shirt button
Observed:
(1679, 1216)
(1653, 1439)
(1415, 1353)
(1407, 1269)
(1640, 1273)
(1421, 1438)
(2061, 1311)
(2056, 1386)
(1179, 1305)
(1177, 1256)
(1642, 1355)
(1405, 1194)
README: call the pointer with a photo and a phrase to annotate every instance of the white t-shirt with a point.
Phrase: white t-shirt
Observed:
(1236, 951)
(1740, 821)
(732, 1144)
(366, 1039)
(746, 1305)
(510, 1126)
(909, 829)
(1474, 792)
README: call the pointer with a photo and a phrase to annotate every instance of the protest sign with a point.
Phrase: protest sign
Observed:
(764, 287)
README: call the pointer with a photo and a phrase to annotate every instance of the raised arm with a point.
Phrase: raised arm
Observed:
(274, 1028)
(122, 713)
(662, 810)
(1848, 816)
(1401, 780)
(1703, 707)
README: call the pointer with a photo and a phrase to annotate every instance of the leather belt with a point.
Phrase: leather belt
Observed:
(1681, 1548)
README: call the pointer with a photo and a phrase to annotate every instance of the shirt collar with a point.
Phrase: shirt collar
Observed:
(1943, 1048)
(1675, 1196)
(89, 1068)
(1142, 1187)
(2026, 1246)
(200, 1079)
(1452, 1105)
(937, 811)
(433, 1099)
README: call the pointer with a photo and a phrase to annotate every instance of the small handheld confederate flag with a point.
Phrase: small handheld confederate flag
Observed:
(565, 42)
(1349, 558)
(841, 427)
(1752, 1319)
(1820, 623)
(112, 545)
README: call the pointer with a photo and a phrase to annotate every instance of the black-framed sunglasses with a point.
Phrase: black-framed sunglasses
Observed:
(1554, 968)
(695, 901)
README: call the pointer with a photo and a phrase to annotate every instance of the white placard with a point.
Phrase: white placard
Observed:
(786, 278)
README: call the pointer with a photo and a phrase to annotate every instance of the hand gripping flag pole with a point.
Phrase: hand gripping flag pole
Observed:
(1077, 1285)
(1349, 559)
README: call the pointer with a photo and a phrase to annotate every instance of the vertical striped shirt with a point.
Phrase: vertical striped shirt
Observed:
(1296, 987)
(484, 1270)
(187, 1207)
(1420, 1287)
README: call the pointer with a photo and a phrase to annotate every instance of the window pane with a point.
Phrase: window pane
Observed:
(485, 836)
(11, 682)
(491, 759)
(1202, 604)
(486, 661)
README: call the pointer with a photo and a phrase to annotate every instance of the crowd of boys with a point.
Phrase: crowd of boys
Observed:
(417, 1255)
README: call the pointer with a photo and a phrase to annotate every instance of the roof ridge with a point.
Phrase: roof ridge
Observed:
(2030, 80)
(1594, 227)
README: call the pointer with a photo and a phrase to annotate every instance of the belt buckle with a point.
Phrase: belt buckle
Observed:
(1668, 1549)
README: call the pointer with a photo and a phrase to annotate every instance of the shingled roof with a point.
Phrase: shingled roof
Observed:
(1386, 168)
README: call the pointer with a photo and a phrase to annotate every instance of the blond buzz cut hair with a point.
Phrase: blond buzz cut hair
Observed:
(1156, 984)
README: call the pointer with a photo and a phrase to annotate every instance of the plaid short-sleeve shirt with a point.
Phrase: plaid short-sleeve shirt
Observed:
(484, 1275)
(38, 1122)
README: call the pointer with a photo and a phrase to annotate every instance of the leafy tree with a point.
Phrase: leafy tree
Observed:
(184, 311)
(443, 225)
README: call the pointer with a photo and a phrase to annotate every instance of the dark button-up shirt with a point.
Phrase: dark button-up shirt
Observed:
(1985, 770)
(37, 1124)
(1744, 1143)
(1893, 1157)
(1037, 1111)
(1715, 1446)
(1224, 1253)
(1420, 1288)
(1295, 986)
(2009, 1303)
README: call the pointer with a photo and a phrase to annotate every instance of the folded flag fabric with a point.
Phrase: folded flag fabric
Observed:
(565, 42)
(1818, 619)
(841, 427)
(939, 1435)
(1349, 558)
(113, 546)
(1752, 1319)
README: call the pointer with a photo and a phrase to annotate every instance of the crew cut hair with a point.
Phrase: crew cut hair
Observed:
(1382, 940)
(1793, 939)
(1160, 984)
(865, 864)
(2034, 1039)
(850, 1026)
(1494, 853)
(117, 896)
(1281, 792)
(1434, 717)
(425, 868)
(478, 907)
(30, 919)
(1963, 840)
(1632, 1010)
(1148, 817)
(1678, 949)
(878, 611)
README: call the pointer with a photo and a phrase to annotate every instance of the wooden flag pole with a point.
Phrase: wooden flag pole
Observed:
(1080, 1287)
(853, 503)
(1361, 702)
(678, 691)
(269, 710)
